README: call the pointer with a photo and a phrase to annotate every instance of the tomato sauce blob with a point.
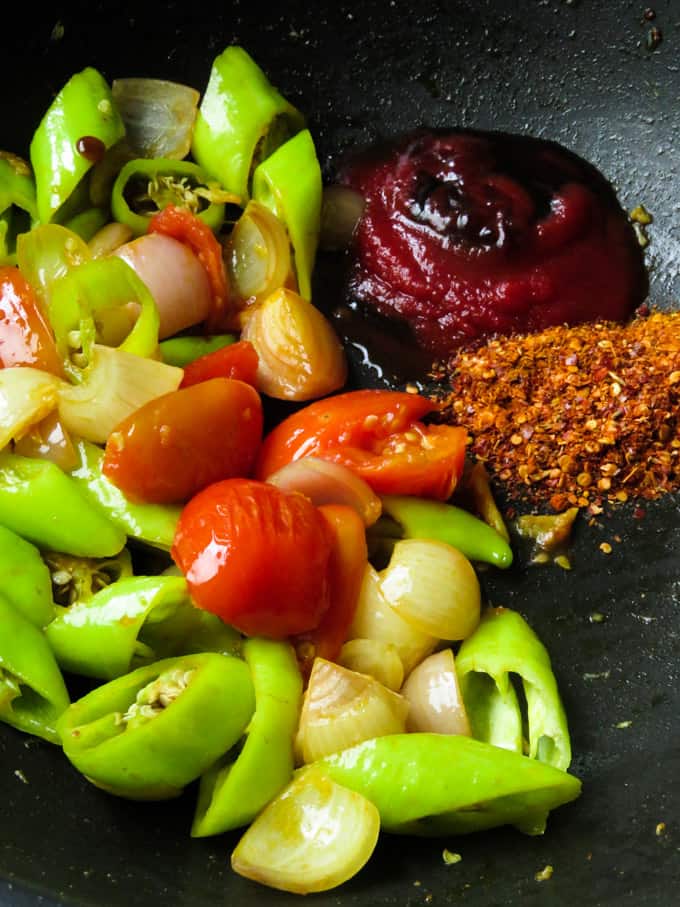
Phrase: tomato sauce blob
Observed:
(468, 234)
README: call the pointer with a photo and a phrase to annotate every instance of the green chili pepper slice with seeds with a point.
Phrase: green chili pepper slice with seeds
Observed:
(144, 187)
(33, 695)
(149, 733)
(18, 209)
(77, 579)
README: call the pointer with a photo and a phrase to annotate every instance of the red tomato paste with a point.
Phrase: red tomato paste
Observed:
(469, 234)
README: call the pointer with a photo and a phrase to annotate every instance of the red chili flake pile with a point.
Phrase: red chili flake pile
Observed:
(574, 416)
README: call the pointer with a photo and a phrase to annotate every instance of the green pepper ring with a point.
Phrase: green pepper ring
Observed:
(213, 215)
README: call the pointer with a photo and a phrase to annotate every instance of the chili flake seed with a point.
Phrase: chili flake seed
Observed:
(660, 829)
(622, 725)
(605, 548)
(450, 858)
(600, 401)
(545, 874)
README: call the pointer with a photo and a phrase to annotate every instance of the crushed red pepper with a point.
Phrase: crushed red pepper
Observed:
(573, 416)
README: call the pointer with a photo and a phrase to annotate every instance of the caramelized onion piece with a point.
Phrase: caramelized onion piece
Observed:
(159, 116)
(300, 355)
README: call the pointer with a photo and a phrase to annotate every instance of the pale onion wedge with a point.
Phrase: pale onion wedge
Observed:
(434, 696)
(329, 483)
(341, 708)
(434, 587)
(258, 253)
(159, 115)
(312, 837)
(375, 657)
(116, 384)
(375, 618)
(109, 238)
(27, 395)
(300, 355)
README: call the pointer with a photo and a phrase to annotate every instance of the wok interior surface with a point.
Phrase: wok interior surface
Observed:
(581, 73)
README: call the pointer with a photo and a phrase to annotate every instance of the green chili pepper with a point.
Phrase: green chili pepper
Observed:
(88, 222)
(504, 646)
(92, 304)
(446, 784)
(144, 187)
(25, 578)
(77, 579)
(18, 211)
(210, 634)
(137, 619)
(289, 184)
(80, 124)
(149, 733)
(32, 690)
(413, 517)
(47, 253)
(232, 792)
(46, 507)
(180, 351)
(242, 118)
(153, 524)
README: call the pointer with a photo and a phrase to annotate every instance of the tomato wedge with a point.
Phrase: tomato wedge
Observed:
(256, 556)
(177, 444)
(238, 360)
(347, 565)
(377, 434)
(183, 225)
(25, 335)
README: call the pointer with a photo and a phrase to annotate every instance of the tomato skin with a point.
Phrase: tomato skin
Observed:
(238, 360)
(256, 556)
(347, 565)
(181, 224)
(177, 444)
(376, 433)
(25, 335)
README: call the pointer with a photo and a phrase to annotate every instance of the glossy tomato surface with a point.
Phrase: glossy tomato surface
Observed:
(379, 435)
(256, 556)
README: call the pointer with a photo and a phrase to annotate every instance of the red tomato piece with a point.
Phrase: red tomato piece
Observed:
(25, 335)
(256, 556)
(238, 360)
(183, 225)
(347, 566)
(176, 445)
(377, 434)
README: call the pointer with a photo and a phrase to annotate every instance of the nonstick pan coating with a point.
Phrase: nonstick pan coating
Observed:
(585, 74)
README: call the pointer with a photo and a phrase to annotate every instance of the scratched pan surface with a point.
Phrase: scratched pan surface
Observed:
(582, 74)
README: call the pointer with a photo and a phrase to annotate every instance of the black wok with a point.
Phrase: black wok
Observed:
(585, 74)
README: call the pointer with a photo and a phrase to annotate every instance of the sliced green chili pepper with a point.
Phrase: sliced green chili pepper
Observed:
(154, 524)
(242, 118)
(135, 620)
(149, 733)
(32, 690)
(25, 578)
(502, 646)
(180, 351)
(77, 579)
(289, 183)
(46, 507)
(413, 517)
(102, 301)
(144, 187)
(232, 792)
(88, 222)
(445, 784)
(18, 210)
(210, 634)
(47, 253)
(78, 127)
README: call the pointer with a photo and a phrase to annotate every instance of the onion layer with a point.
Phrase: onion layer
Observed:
(27, 395)
(313, 836)
(376, 658)
(258, 253)
(434, 697)
(159, 116)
